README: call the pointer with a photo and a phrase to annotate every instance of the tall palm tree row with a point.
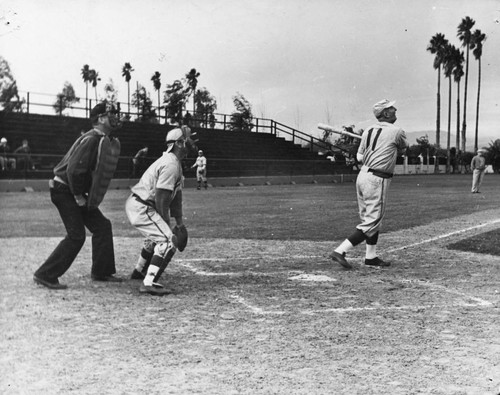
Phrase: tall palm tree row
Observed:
(464, 34)
(126, 72)
(437, 47)
(476, 45)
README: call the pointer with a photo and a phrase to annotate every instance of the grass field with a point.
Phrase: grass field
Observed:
(256, 307)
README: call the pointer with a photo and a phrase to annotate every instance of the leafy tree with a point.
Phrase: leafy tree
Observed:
(476, 45)
(142, 101)
(175, 99)
(65, 99)
(437, 47)
(157, 85)
(126, 72)
(493, 155)
(241, 119)
(205, 106)
(9, 95)
(464, 35)
(86, 79)
(192, 82)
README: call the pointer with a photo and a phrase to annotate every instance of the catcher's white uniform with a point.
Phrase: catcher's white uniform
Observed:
(164, 173)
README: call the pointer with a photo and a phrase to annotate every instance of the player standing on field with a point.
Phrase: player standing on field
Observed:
(154, 200)
(377, 153)
(201, 170)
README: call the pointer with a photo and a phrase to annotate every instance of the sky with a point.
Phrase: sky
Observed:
(298, 62)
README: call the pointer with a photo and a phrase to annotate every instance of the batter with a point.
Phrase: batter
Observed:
(377, 153)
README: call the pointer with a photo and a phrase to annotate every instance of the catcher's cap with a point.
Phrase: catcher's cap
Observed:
(381, 106)
(3, 140)
(173, 136)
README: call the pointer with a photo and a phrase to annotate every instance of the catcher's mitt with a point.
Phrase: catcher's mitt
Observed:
(182, 236)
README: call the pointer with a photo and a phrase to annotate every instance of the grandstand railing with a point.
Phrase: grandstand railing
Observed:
(41, 103)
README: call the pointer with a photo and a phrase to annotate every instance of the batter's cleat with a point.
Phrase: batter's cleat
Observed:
(109, 279)
(340, 258)
(137, 275)
(155, 289)
(376, 262)
(52, 284)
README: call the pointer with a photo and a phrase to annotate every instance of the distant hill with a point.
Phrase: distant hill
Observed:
(483, 141)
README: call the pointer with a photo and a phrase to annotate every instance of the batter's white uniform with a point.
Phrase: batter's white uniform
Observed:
(164, 173)
(378, 151)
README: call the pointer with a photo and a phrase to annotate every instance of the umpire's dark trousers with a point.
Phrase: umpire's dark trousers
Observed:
(75, 219)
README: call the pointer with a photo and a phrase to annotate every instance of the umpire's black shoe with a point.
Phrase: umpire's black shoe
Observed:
(137, 275)
(109, 279)
(52, 284)
(340, 258)
(376, 262)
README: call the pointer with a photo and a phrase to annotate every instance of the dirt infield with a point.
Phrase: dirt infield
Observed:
(261, 316)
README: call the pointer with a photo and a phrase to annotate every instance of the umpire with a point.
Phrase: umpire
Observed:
(80, 182)
(377, 152)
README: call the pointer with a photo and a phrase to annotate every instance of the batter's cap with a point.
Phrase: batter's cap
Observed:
(381, 106)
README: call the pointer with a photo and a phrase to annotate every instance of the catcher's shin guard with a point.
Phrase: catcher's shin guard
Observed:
(166, 260)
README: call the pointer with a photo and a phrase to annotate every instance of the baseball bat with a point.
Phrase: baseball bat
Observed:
(329, 128)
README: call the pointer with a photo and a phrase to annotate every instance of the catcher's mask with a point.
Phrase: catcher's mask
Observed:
(109, 109)
(182, 133)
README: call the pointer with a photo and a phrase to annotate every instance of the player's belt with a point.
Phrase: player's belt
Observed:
(381, 174)
(145, 202)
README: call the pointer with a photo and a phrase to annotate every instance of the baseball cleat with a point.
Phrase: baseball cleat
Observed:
(376, 262)
(340, 258)
(49, 284)
(137, 275)
(155, 289)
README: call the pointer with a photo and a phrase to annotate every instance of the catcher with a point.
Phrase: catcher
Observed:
(201, 171)
(155, 199)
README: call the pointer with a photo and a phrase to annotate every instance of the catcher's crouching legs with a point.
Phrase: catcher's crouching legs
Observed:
(163, 253)
(144, 260)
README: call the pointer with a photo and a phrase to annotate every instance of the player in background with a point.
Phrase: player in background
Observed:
(80, 182)
(155, 199)
(377, 153)
(201, 170)
(478, 167)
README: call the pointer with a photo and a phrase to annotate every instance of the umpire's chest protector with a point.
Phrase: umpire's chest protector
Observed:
(107, 160)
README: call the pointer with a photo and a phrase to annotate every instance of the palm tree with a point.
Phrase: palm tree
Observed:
(126, 70)
(192, 80)
(86, 80)
(464, 35)
(448, 66)
(477, 50)
(93, 78)
(436, 47)
(458, 73)
(157, 84)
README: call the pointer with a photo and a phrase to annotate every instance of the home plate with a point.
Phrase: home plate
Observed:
(312, 277)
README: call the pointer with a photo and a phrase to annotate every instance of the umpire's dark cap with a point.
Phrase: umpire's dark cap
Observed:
(102, 108)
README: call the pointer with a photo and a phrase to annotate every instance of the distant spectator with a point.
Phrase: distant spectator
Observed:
(23, 155)
(201, 170)
(478, 166)
(6, 159)
(138, 161)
